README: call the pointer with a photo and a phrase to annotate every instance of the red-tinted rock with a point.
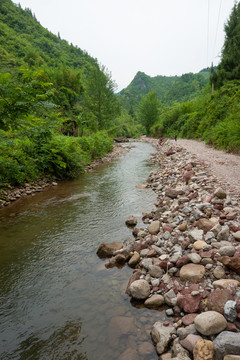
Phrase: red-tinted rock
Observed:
(207, 254)
(140, 246)
(185, 243)
(165, 265)
(217, 299)
(173, 194)
(231, 327)
(231, 262)
(189, 303)
(231, 216)
(218, 206)
(188, 319)
(167, 228)
(234, 228)
(151, 253)
(193, 195)
(205, 225)
(182, 261)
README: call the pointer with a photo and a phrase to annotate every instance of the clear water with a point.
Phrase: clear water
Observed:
(57, 300)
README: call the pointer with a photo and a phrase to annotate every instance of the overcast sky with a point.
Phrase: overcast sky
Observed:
(158, 37)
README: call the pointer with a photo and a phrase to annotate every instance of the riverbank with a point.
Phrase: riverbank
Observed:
(187, 258)
(11, 194)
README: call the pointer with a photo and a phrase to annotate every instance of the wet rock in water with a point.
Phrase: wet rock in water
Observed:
(192, 272)
(162, 336)
(108, 249)
(139, 289)
(230, 310)
(120, 326)
(226, 343)
(135, 276)
(131, 221)
(154, 301)
(118, 260)
(146, 348)
(154, 227)
(203, 350)
(129, 354)
(210, 323)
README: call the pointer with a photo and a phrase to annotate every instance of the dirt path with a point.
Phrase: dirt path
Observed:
(226, 167)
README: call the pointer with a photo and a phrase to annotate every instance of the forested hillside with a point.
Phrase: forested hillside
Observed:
(169, 89)
(212, 117)
(57, 104)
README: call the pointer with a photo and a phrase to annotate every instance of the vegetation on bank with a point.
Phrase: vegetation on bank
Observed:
(58, 109)
(212, 117)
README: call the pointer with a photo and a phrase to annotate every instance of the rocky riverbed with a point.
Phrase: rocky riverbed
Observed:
(186, 260)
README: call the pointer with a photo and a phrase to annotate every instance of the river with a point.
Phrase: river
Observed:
(57, 300)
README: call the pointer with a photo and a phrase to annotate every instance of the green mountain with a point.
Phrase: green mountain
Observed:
(57, 104)
(24, 41)
(169, 89)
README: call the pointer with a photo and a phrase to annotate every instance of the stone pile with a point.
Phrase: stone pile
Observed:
(187, 260)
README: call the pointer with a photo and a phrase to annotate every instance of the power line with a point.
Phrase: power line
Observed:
(208, 20)
(215, 41)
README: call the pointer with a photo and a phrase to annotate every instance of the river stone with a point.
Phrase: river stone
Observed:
(230, 310)
(199, 244)
(179, 352)
(227, 250)
(203, 350)
(155, 271)
(154, 301)
(146, 348)
(210, 323)
(108, 249)
(206, 224)
(189, 342)
(236, 235)
(225, 283)
(196, 235)
(192, 272)
(182, 227)
(231, 357)
(231, 262)
(226, 343)
(120, 326)
(139, 289)
(154, 227)
(219, 272)
(218, 298)
(220, 193)
(162, 335)
(134, 259)
(194, 258)
(129, 354)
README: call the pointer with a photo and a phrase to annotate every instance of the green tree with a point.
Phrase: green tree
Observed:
(229, 67)
(149, 110)
(100, 98)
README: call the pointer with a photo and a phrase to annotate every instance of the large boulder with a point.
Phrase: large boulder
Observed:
(210, 323)
(108, 249)
(139, 289)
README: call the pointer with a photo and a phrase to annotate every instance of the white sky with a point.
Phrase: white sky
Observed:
(158, 37)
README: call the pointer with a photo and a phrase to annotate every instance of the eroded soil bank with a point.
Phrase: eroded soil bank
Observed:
(187, 258)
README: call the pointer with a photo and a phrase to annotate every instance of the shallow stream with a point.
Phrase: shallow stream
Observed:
(57, 300)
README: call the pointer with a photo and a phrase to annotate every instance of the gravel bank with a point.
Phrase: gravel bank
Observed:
(226, 167)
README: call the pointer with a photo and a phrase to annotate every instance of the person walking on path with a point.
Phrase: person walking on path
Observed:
(175, 137)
